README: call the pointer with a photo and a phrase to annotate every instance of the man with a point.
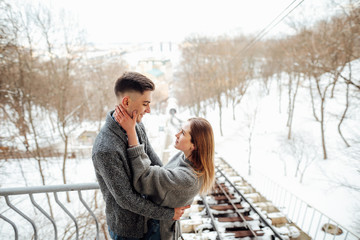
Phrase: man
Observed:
(126, 210)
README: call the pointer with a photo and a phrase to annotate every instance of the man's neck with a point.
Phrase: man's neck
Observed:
(113, 117)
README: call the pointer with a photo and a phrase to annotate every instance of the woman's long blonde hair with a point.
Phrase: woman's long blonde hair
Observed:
(202, 157)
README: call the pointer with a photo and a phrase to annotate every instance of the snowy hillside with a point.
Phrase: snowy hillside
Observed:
(271, 153)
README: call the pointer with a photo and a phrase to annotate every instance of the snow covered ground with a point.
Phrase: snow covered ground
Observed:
(269, 150)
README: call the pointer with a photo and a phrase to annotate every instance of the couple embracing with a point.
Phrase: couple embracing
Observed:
(143, 198)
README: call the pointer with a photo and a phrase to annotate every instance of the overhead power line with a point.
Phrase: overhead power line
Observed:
(270, 26)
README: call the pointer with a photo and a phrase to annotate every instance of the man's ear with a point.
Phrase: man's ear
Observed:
(125, 102)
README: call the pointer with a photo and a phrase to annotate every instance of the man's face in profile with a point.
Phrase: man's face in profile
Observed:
(140, 103)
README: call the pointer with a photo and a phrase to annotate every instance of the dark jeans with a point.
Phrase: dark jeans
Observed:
(152, 234)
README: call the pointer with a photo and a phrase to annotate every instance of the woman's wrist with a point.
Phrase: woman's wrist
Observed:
(132, 138)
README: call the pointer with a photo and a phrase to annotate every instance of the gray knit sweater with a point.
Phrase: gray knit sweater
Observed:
(174, 185)
(125, 208)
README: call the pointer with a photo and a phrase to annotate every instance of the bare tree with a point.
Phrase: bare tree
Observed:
(213, 72)
(273, 64)
(251, 126)
(40, 81)
(333, 46)
(315, 55)
(346, 108)
(312, 99)
(240, 70)
(348, 46)
(250, 114)
(294, 66)
(303, 152)
(283, 158)
(190, 81)
(63, 41)
(101, 71)
(23, 99)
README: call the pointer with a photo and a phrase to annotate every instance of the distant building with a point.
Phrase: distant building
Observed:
(3, 147)
(156, 73)
(87, 138)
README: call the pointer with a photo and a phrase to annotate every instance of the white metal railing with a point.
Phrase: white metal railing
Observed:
(309, 219)
(55, 189)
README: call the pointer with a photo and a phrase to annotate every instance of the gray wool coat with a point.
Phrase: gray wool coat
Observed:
(174, 185)
(126, 209)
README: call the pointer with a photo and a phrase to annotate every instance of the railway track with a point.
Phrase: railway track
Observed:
(235, 210)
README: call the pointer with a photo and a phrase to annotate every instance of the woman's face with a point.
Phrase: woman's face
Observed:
(183, 140)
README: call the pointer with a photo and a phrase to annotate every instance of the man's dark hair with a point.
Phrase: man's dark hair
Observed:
(133, 81)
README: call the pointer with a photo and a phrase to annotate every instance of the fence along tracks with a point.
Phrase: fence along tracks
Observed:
(235, 210)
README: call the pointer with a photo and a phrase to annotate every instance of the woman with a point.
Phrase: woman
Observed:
(188, 173)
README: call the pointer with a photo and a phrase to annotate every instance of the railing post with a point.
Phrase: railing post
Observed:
(281, 196)
(337, 229)
(327, 229)
(45, 213)
(292, 196)
(22, 214)
(91, 212)
(302, 224)
(317, 229)
(301, 204)
(296, 201)
(68, 213)
(12, 224)
(312, 218)
(285, 199)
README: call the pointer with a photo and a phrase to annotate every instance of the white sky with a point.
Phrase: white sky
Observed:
(108, 21)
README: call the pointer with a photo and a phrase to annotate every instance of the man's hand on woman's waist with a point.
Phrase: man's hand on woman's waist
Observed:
(179, 212)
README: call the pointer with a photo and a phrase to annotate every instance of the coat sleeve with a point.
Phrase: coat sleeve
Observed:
(156, 180)
(113, 173)
(154, 158)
